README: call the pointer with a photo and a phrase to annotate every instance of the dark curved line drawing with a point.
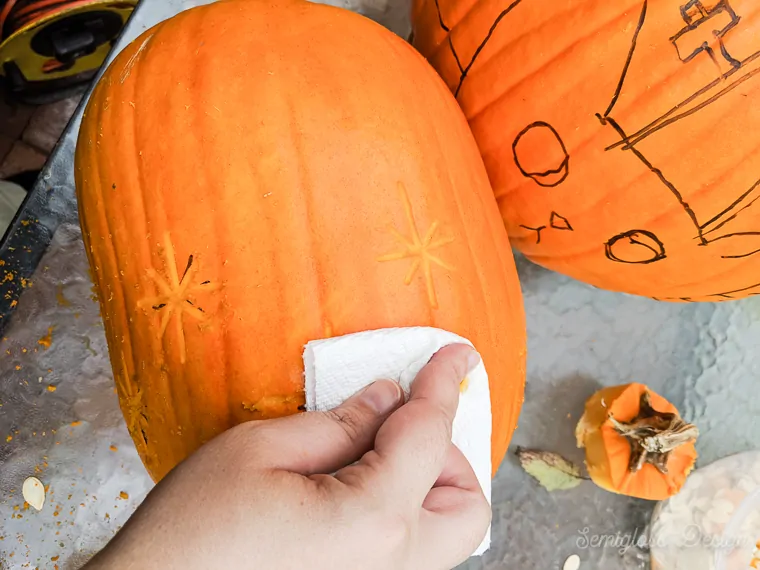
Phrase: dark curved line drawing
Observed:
(440, 19)
(727, 294)
(656, 247)
(663, 122)
(563, 169)
(736, 234)
(464, 70)
(456, 56)
(560, 222)
(537, 230)
(731, 206)
(628, 60)
(741, 255)
(657, 172)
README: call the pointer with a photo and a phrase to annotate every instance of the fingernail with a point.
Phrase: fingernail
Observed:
(473, 359)
(382, 396)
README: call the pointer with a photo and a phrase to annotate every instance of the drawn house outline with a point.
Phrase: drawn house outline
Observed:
(730, 74)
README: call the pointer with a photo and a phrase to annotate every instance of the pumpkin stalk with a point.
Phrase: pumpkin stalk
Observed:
(653, 435)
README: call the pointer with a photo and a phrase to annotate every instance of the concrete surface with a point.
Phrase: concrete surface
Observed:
(703, 357)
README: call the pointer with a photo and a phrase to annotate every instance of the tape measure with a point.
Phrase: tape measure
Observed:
(48, 45)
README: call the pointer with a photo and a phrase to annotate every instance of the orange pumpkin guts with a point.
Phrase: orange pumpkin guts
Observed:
(636, 443)
(253, 175)
(620, 137)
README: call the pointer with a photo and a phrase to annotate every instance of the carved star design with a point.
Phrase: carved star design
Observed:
(419, 249)
(132, 404)
(175, 295)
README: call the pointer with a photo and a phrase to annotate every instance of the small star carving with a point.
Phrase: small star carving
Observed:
(175, 296)
(132, 404)
(419, 249)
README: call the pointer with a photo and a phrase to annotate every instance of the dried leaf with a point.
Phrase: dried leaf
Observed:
(552, 471)
(34, 492)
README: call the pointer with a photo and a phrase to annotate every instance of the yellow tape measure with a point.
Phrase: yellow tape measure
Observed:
(64, 43)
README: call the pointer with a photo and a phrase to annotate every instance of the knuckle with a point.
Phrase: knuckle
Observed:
(455, 370)
(349, 420)
(392, 529)
(442, 421)
(450, 369)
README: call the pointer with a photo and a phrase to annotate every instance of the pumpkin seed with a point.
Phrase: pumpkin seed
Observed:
(34, 492)
(572, 563)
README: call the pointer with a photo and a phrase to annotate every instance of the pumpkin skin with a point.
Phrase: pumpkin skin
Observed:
(243, 190)
(617, 135)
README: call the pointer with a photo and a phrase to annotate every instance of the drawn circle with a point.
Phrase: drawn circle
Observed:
(541, 155)
(635, 246)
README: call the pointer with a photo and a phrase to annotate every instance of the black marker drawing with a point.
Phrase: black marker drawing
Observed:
(704, 34)
(556, 222)
(537, 230)
(534, 165)
(725, 296)
(690, 44)
(560, 222)
(465, 69)
(635, 246)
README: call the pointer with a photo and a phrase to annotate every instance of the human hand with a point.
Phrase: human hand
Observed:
(372, 484)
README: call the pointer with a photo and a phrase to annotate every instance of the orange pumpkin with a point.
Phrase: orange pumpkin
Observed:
(618, 136)
(636, 442)
(254, 175)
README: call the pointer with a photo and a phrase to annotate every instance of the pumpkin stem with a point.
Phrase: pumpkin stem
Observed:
(652, 435)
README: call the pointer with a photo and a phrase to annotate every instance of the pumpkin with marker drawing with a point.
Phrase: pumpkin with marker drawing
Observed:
(255, 175)
(618, 136)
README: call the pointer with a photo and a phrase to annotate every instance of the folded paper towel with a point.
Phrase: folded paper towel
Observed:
(336, 368)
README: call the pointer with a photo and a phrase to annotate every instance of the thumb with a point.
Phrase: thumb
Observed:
(324, 442)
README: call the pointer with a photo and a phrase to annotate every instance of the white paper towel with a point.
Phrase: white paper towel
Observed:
(336, 368)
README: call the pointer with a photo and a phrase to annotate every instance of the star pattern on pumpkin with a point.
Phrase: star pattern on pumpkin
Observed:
(132, 404)
(419, 249)
(175, 298)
